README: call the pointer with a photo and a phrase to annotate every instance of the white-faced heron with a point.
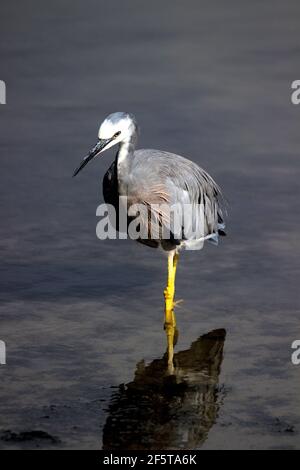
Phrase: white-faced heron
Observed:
(154, 178)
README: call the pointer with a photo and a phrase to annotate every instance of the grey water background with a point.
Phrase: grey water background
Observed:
(208, 80)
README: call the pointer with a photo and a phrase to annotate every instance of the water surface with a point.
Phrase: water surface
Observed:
(82, 319)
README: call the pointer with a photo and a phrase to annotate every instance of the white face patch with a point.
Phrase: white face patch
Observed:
(110, 127)
(121, 123)
(107, 129)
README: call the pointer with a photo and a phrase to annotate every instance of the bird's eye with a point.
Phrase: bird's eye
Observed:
(116, 134)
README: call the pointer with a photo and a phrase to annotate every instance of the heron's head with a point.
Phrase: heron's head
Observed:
(116, 128)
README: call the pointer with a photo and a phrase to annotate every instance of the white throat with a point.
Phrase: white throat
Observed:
(124, 151)
(124, 160)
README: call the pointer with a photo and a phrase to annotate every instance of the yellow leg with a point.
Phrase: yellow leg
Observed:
(170, 321)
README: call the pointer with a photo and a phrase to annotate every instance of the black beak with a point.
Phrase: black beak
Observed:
(101, 144)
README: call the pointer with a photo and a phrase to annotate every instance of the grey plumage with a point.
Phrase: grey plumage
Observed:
(157, 178)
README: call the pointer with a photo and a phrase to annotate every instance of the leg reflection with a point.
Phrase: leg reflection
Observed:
(162, 411)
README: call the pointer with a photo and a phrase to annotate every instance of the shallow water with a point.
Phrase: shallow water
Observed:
(82, 319)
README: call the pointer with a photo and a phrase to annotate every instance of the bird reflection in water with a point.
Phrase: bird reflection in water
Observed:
(159, 410)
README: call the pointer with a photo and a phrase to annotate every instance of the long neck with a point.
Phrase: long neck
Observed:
(126, 149)
(125, 154)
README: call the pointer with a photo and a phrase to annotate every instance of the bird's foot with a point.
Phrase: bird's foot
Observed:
(177, 303)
